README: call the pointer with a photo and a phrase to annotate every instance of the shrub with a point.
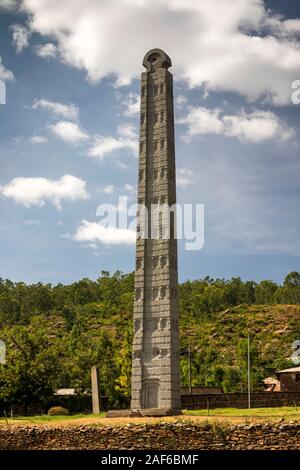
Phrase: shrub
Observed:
(58, 411)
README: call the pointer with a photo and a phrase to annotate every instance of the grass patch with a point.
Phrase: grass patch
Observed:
(49, 419)
(225, 415)
(282, 412)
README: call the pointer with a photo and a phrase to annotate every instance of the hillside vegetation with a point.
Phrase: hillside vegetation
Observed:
(54, 334)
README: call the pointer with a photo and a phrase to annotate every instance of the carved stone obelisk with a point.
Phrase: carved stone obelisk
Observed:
(155, 360)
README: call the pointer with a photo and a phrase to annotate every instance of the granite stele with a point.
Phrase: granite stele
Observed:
(155, 383)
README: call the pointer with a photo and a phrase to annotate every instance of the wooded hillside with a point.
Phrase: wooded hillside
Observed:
(54, 334)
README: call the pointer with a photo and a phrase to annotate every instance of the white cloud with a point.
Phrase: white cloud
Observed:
(131, 104)
(68, 111)
(38, 139)
(105, 145)
(36, 191)
(127, 131)
(46, 50)
(109, 189)
(31, 222)
(281, 27)
(8, 4)
(292, 26)
(5, 74)
(185, 177)
(21, 36)
(126, 139)
(94, 232)
(256, 126)
(129, 188)
(235, 45)
(203, 121)
(69, 132)
(181, 100)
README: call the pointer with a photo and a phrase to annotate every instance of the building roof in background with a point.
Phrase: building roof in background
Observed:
(270, 381)
(292, 369)
(65, 391)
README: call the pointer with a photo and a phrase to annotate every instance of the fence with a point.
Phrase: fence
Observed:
(75, 404)
(240, 400)
(200, 390)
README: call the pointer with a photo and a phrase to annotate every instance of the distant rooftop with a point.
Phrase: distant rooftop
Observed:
(65, 391)
(271, 381)
(292, 369)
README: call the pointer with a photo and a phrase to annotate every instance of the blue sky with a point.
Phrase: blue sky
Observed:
(69, 129)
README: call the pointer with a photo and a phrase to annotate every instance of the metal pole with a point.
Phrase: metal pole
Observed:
(249, 374)
(190, 370)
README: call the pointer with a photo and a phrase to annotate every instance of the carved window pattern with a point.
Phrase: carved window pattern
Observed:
(165, 353)
(160, 224)
(163, 261)
(157, 89)
(155, 353)
(155, 292)
(136, 354)
(172, 225)
(155, 262)
(138, 294)
(153, 325)
(162, 144)
(163, 173)
(139, 263)
(163, 323)
(163, 292)
(137, 325)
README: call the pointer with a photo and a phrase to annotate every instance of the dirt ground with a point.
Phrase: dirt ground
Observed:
(102, 421)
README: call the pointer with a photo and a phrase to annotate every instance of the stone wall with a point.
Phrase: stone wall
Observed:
(240, 400)
(177, 435)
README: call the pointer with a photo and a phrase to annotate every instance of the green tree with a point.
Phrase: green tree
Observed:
(32, 365)
(265, 292)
